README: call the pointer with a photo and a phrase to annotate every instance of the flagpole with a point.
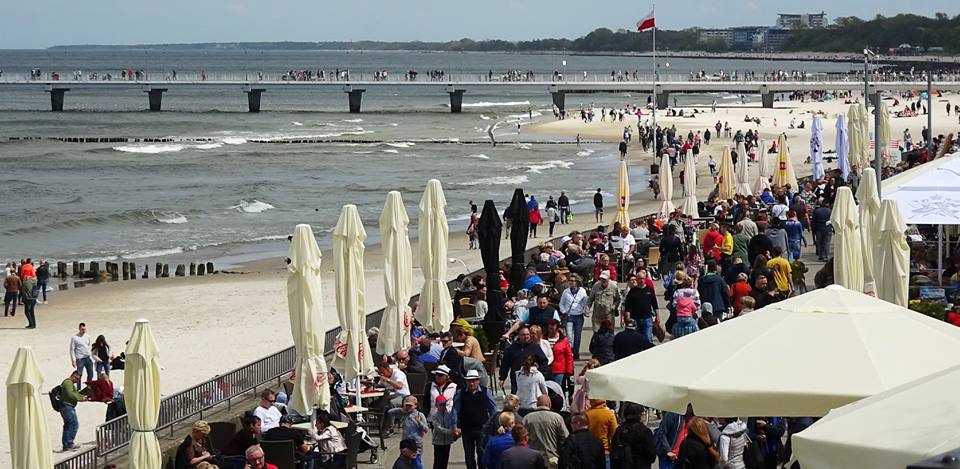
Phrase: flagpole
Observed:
(655, 73)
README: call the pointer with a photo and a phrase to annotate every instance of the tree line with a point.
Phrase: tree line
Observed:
(846, 34)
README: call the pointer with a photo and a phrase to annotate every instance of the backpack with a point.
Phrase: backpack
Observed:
(621, 455)
(56, 398)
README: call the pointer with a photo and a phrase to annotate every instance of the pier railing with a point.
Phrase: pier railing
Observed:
(541, 76)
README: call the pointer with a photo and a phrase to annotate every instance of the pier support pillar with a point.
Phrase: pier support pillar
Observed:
(354, 95)
(156, 97)
(767, 100)
(456, 99)
(56, 98)
(559, 100)
(662, 99)
(253, 99)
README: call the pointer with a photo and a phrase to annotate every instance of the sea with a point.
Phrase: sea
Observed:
(211, 193)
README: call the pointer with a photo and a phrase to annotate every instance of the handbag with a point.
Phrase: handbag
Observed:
(658, 330)
(752, 455)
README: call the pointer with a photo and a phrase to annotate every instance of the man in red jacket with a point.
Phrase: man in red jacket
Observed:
(712, 243)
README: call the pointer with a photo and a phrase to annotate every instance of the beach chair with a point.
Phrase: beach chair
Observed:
(288, 389)
(375, 423)
(221, 433)
(280, 453)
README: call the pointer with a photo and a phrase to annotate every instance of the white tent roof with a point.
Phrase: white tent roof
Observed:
(929, 193)
(800, 357)
(889, 430)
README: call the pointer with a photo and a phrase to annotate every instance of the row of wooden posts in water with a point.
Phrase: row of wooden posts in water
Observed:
(128, 270)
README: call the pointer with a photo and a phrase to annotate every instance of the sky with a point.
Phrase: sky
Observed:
(39, 24)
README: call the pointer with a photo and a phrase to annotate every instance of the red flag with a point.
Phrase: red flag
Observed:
(647, 23)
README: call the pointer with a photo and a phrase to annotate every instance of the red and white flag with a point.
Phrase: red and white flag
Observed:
(647, 23)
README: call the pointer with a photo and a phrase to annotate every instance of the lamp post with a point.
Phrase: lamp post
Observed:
(877, 161)
(454, 260)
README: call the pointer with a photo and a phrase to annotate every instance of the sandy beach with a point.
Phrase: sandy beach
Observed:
(209, 325)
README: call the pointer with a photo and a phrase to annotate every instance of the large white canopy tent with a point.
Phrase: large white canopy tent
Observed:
(887, 431)
(854, 357)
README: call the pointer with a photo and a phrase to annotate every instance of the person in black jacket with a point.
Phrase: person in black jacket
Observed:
(516, 354)
(671, 249)
(641, 301)
(759, 244)
(581, 449)
(632, 446)
(714, 290)
(601, 344)
(697, 451)
(629, 341)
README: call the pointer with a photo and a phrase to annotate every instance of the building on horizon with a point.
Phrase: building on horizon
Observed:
(802, 21)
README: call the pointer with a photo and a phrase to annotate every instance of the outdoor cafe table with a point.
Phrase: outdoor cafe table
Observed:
(308, 425)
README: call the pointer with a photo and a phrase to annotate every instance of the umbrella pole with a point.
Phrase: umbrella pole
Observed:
(359, 401)
(940, 254)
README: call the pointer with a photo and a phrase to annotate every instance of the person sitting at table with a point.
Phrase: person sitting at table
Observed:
(285, 431)
(100, 389)
(331, 446)
(245, 437)
(395, 381)
(409, 363)
(196, 448)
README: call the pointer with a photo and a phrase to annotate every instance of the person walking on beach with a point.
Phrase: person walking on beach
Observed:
(623, 149)
(11, 296)
(598, 205)
(80, 355)
(28, 295)
(564, 204)
(43, 276)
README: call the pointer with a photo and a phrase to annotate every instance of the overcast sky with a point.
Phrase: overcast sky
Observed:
(38, 24)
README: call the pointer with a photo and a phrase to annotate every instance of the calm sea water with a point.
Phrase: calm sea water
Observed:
(232, 200)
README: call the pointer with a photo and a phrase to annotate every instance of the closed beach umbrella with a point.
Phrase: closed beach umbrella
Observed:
(855, 139)
(783, 174)
(843, 145)
(519, 230)
(436, 310)
(884, 138)
(489, 231)
(666, 187)
(891, 430)
(26, 425)
(869, 211)
(348, 237)
(852, 359)
(743, 182)
(397, 276)
(847, 243)
(141, 391)
(623, 195)
(816, 147)
(863, 134)
(305, 304)
(689, 206)
(893, 255)
(728, 178)
(763, 169)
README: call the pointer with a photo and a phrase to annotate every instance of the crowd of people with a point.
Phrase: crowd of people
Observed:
(25, 284)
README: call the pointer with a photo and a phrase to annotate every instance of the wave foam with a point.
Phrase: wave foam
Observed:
(480, 156)
(297, 124)
(391, 151)
(401, 144)
(171, 219)
(586, 152)
(485, 117)
(494, 104)
(151, 149)
(255, 206)
(497, 181)
(353, 121)
(538, 168)
(233, 140)
(208, 146)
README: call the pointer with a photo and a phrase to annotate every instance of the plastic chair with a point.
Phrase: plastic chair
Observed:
(221, 433)
(280, 453)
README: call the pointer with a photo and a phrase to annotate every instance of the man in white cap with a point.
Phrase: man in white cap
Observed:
(442, 385)
(473, 406)
(603, 300)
